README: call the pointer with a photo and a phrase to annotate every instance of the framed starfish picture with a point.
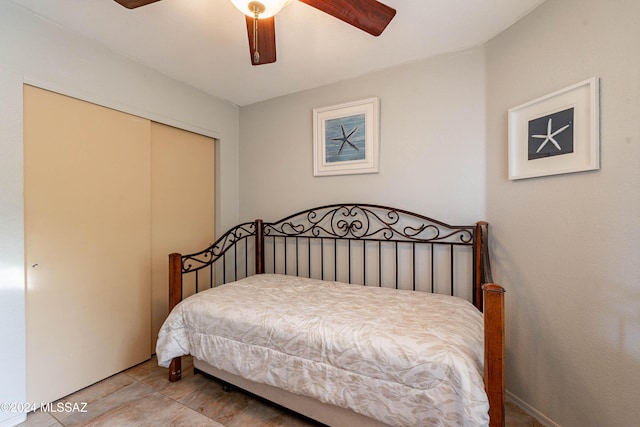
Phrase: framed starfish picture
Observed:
(346, 138)
(556, 134)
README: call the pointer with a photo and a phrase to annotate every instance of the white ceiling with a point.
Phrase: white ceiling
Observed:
(204, 42)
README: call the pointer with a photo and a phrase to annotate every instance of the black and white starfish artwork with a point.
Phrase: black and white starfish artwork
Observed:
(551, 135)
(345, 138)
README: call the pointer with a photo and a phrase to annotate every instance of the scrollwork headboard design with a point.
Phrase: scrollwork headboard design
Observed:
(356, 243)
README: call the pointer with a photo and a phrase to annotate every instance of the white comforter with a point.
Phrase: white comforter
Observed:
(404, 358)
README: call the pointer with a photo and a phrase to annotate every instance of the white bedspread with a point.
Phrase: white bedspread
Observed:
(404, 358)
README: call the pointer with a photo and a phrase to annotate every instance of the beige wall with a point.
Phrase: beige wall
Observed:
(432, 149)
(566, 247)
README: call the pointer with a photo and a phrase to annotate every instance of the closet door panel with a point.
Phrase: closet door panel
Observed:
(182, 195)
(87, 234)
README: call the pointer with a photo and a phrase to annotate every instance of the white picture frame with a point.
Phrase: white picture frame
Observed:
(346, 138)
(556, 134)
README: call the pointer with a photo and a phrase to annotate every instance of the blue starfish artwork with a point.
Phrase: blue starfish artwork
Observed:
(345, 139)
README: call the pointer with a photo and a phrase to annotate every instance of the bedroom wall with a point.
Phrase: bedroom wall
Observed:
(38, 52)
(432, 149)
(566, 247)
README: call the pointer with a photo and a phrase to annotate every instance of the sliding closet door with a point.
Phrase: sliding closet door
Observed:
(182, 205)
(87, 234)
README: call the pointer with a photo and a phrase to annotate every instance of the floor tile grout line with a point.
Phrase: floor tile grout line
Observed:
(164, 394)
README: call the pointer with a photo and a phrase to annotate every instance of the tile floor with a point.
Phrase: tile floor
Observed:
(143, 396)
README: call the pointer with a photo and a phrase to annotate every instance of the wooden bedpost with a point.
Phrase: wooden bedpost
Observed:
(477, 262)
(259, 246)
(175, 296)
(494, 352)
(482, 272)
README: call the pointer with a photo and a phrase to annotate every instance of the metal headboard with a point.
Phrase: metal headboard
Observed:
(355, 243)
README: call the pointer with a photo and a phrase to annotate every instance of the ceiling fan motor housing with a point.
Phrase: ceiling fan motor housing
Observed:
(256, 7)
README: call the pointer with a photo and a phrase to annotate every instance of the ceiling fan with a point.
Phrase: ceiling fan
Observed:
(368, 15)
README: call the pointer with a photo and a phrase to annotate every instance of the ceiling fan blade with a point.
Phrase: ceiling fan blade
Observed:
(368, 15)
(266, 38)
(132, 4)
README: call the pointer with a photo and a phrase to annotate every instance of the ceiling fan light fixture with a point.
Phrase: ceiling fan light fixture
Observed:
(370, 16)
(265, 8)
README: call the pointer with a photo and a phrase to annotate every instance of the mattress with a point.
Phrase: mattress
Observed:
(404, 358)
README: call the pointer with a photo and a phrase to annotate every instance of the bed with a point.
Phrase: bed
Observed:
(350, 314)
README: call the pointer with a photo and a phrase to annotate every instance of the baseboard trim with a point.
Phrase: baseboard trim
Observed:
(543, 419)
(20, 417)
